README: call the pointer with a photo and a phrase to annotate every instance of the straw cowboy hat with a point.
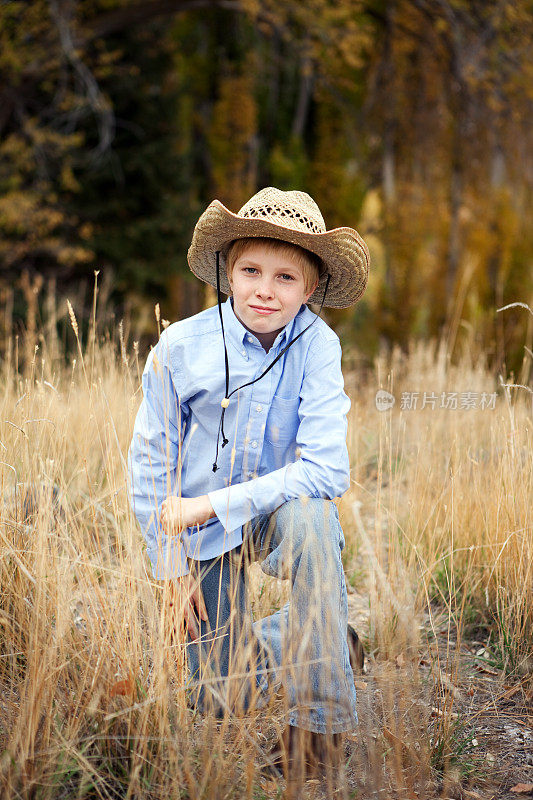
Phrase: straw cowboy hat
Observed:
(292, 217)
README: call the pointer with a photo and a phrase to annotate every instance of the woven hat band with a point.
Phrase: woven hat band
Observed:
(290, 217)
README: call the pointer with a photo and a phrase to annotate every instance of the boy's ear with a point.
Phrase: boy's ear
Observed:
(312, 290)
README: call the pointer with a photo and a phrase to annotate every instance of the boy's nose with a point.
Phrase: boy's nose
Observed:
(264, 290)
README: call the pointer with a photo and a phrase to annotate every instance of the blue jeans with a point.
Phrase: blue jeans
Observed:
(236, 663)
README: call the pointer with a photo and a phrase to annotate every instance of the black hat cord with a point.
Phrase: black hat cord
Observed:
(225, 402)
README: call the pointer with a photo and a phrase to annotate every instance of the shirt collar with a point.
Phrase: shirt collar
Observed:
(236, 333)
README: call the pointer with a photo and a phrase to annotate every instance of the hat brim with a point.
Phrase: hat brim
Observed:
(343, 251)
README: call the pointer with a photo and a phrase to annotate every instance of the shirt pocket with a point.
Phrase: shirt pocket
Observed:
(282, 422)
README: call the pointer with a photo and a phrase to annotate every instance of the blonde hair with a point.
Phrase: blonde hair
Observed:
(311, 265)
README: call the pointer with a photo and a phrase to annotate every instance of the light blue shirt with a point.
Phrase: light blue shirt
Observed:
(287, 432)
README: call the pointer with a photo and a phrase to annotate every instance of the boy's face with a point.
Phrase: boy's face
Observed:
(268, 290)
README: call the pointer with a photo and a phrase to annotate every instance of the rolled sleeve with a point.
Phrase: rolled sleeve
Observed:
(322, 469)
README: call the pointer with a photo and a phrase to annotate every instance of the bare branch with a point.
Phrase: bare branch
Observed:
(62, 15)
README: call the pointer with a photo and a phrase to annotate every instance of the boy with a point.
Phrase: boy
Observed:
(266, 372)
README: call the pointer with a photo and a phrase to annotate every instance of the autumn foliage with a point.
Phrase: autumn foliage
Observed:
(120, 121)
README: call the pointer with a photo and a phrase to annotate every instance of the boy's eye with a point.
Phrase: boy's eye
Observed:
(249, 270)
(287, 277)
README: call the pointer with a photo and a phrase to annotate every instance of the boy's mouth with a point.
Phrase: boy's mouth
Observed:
(263, 309)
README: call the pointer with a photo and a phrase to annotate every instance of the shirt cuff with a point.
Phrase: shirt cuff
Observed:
(232, 505)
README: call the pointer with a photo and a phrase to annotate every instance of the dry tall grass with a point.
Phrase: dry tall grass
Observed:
(438, 526)
(450, 491)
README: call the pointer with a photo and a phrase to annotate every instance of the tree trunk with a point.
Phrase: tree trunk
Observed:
(454, 244)
(388, 164)
(459, 101)
(304, 97)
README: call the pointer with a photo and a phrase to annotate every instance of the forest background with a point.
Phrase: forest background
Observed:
(120, 121)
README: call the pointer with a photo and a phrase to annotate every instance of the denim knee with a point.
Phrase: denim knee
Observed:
(314, 518)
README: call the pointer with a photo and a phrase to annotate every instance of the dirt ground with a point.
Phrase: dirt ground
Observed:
(402, 705)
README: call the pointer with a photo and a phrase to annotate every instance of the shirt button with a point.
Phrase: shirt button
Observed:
(250, 338)
(259, 409)
(254, 444)
(243, 351)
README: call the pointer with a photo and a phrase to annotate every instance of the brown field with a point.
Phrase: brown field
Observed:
(438, 558)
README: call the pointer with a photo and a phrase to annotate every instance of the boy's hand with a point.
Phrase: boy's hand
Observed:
(178, 513)
(187, 604)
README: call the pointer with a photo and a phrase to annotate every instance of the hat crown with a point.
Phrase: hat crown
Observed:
(295, 210)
